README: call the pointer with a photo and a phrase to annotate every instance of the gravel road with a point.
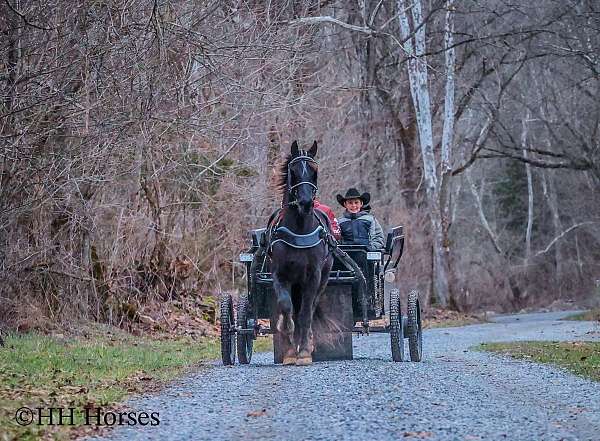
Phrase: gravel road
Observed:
(454, 394)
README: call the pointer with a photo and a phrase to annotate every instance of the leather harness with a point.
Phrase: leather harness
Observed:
(276, 233)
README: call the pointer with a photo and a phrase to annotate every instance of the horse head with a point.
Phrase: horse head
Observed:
(302, 171)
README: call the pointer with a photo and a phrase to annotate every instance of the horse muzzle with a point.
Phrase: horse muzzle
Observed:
(305, 207)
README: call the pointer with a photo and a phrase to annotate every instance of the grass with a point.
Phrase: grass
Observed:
(581, 358)
(43, 371)
(591, 315)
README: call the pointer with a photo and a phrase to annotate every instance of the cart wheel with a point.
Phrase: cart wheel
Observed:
(396, 329)
(227, 331)
(414, 328)
(378, 290)
(244, 341)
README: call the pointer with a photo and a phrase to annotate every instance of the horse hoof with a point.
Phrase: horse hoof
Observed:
(288, 361)
(304, 361)
(304, 358)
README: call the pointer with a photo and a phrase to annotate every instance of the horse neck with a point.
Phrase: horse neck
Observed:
(298, 222)
(285, 200)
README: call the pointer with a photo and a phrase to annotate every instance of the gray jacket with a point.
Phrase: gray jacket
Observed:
(361, 229)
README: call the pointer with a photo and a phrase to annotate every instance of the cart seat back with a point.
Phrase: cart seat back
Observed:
(258, 236)
(394, 246)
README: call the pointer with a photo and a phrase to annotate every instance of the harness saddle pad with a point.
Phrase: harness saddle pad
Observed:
(283, 234)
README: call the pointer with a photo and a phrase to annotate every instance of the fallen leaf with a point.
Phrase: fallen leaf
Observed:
(418, 434)
(257, 413)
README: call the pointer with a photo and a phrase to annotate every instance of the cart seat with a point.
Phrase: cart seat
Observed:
(358, 253)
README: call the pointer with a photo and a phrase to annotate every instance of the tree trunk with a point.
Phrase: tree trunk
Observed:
(418, 78)
(549, 191)
(520, 300)
(446, 156)
(529, 192)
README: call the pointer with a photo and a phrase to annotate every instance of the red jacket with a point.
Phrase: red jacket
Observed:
(335, 228)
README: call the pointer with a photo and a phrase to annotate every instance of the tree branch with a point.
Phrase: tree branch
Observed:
(561, 235)
(536, 162)
(27, 22)
(328, 19)
(477, 146)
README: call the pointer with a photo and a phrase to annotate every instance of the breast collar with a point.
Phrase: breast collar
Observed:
(295, 240)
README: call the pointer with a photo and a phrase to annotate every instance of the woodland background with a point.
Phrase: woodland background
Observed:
(138, 140)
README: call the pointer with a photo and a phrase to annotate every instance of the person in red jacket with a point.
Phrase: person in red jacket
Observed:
(335, 228)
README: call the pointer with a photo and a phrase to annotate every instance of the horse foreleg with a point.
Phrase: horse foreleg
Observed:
(285, 322)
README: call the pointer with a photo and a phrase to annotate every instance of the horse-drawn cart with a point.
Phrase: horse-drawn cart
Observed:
(357, 292)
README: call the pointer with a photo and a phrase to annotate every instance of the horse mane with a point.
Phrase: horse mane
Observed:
(280, 177)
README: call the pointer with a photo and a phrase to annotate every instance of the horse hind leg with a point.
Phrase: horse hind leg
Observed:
(306, 345)
(306, 318)
(306, 338)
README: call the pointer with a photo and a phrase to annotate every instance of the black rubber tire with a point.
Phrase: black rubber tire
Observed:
(396, 329)
(414, 327)
(245, 342)
(227, 331)
(375, 294)
(378, 294)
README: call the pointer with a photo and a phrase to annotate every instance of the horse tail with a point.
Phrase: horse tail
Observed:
(327, 330)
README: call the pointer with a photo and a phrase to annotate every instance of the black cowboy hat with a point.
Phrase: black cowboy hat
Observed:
(353, 193)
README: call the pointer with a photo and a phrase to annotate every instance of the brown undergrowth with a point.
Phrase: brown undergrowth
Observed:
(444, 318)
(184, 317)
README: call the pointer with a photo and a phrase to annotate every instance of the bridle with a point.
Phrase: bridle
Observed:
(302, 157)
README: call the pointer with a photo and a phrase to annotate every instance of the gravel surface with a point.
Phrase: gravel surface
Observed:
(454, 394)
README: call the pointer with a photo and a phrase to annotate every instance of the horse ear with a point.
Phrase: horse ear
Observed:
(295, 151)
(313, 150)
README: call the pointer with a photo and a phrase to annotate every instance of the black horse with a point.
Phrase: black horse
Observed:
(300, 255)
